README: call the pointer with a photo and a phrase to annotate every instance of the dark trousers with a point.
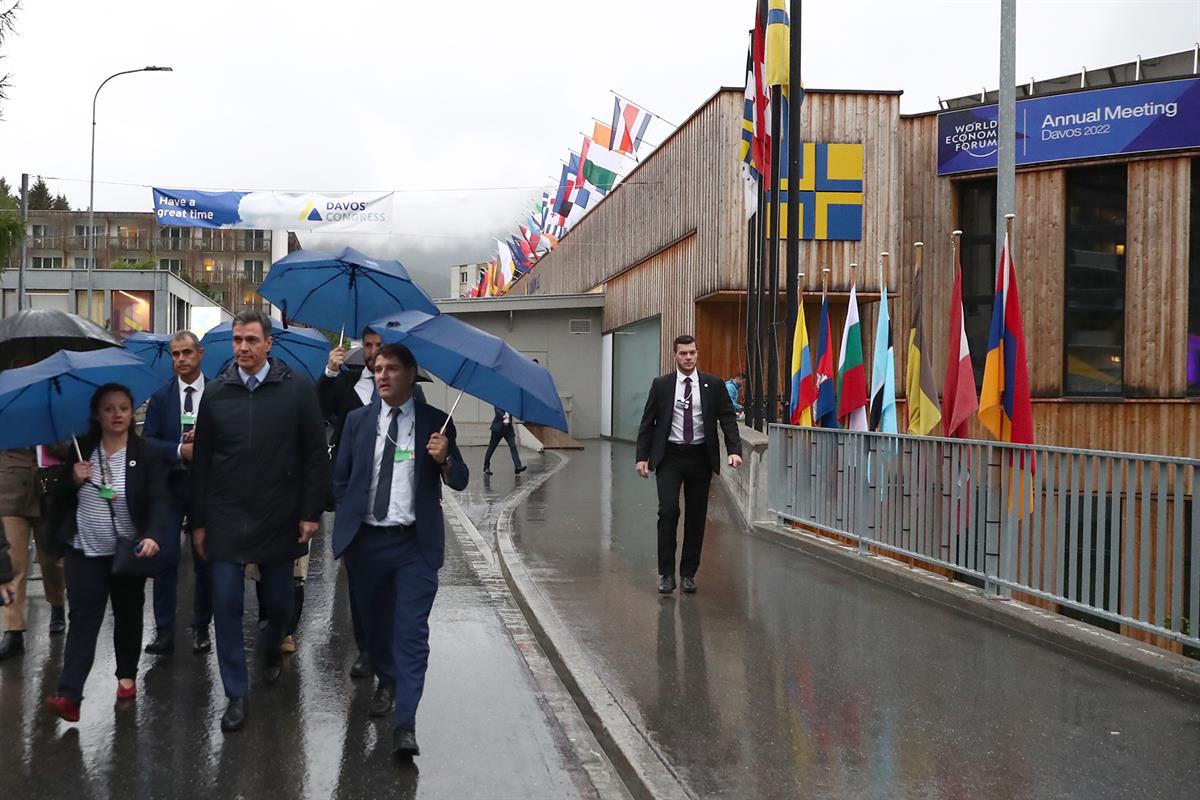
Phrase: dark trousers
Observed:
(90, 587)
(229, 592)
(508, 435)
(166, 585)
(686, 467)
(395, 588)
(356, 622)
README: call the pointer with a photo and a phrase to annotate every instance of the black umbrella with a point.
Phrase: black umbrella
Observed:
(32, 335)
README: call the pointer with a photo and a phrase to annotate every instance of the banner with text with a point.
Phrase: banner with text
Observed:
(1142, 118)
(293, 211)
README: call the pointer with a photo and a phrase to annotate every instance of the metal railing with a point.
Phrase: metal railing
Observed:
(1112, 535)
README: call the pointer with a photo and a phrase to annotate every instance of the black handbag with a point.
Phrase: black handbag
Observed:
(126, 562)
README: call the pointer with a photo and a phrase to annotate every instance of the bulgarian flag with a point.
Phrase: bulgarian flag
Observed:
(852, 373)
(601, 167)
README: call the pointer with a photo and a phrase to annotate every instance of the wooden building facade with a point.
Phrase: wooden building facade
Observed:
(1106, 252)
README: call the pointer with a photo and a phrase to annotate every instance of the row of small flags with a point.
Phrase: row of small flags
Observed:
(1004, 405)
(585, 177)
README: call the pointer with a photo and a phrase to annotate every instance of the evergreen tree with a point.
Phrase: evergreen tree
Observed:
(40, 198)
(60, 203)
(8, 197)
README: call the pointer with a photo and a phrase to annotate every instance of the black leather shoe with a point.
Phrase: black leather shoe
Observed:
(163, 645)
(381, 703)
(12, 644)
(58, 620)
(520, 469)
(201, 643)
(273, 668)
(688, 584)
(362, 666)
(666, 584)
(404, 743)
(235, 715)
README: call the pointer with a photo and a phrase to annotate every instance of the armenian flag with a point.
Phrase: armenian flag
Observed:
(1005, 407)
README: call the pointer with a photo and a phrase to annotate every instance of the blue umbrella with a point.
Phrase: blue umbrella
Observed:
(302, 349)
(49, 402)
(342, 291)
(477, 363)
(154, 349)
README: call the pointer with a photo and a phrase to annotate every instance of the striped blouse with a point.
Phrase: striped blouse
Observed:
(98, 528)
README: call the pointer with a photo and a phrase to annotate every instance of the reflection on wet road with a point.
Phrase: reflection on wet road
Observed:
(484, 728)
(787, 677)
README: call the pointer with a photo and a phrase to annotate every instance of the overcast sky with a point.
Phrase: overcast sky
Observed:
(472, 96)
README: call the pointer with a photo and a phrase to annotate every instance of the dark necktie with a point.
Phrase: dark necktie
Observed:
(383, 491)
(688, 432)
(188, 408)
(252, 383)
(374, 389)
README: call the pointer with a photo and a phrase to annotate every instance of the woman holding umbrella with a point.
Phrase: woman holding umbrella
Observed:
(115, 491)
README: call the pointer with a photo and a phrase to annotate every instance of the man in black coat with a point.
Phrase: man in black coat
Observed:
(261, 473)
(677, 440)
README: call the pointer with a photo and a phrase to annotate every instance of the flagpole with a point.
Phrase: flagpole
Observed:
(760, 293)
(751, 374)
(643, 108)
(793, 202)
(773, 259)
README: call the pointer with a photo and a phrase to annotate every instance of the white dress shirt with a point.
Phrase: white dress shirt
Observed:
(695, 410)
(364, 387)
(401, 506)
(198, 386)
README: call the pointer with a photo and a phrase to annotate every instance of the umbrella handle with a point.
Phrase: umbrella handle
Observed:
(342, 335)
(451, 414)
(77, 451)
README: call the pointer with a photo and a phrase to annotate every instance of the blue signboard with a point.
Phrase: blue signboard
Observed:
(1143, 118)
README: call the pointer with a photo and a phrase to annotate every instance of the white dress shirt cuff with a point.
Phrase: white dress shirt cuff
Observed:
(329, 374)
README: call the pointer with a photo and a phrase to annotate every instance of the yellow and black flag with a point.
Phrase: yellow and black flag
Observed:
(924, 413)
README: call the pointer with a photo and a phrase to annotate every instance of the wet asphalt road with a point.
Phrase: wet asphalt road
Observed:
(485, 726)
(787, 677)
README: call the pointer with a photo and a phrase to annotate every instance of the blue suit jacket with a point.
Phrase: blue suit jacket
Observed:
(162, 428)
(498, 425)
(352, 479)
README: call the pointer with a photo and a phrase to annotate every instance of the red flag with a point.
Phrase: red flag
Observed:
(762, 118)
(959, 397)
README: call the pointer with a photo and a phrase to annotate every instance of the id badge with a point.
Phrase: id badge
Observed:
(403, 455)
(683, 405)
(107, 493)
(187, 419)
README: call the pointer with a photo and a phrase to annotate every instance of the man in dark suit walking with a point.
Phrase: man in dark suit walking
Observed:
(502, 429)
(388, 484)
(170, 420)
(677, 440)
(261, 473)
(344, 389)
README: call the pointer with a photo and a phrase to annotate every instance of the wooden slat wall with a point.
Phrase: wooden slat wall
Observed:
(1041, 255)
(1156, 278)
(638, 294)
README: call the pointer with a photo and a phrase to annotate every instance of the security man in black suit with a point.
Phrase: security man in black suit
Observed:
(677, 440)
(342, 389)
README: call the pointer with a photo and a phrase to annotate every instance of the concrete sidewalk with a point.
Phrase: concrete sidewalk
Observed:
(494, 723)
(788, 677)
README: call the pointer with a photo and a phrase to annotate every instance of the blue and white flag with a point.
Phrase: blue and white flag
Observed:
(883, 372)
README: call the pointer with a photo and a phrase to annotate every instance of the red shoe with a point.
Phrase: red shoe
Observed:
(62, 708)
(126, 694)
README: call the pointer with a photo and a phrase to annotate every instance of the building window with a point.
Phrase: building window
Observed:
(977, 221)
(47, 262)
(1193, 339)
(172, 238)
(252, 269)
(252, 240)
(40, 232)
(1094, 318)
(171, 264)
(81, 233)
(463, 277)
(83, 263)
(132, 311)
(129, 237)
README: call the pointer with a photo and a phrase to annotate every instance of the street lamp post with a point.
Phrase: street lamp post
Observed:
(91, 232)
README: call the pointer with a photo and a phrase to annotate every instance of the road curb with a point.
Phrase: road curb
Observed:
(646, 772)
(1128, 656)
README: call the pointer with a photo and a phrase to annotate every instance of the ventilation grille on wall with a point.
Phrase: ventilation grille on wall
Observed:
(581, 326)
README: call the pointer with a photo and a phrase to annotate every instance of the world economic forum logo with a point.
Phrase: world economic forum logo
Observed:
(311, 214)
